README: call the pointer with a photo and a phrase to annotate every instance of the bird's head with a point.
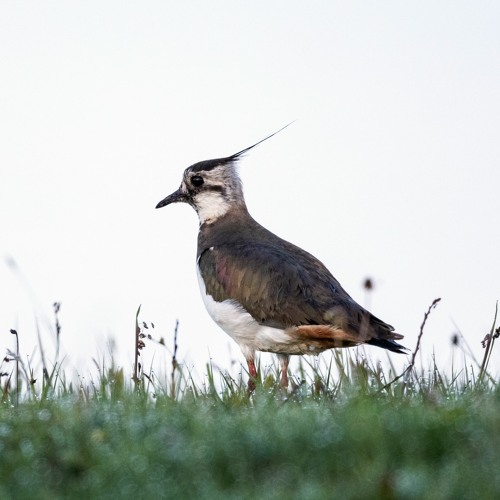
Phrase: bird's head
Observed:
(212, 187)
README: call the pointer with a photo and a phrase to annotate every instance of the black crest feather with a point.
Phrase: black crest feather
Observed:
(203, 166)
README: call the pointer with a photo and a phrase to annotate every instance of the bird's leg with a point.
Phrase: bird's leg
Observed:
(252, 372)
(284, 360)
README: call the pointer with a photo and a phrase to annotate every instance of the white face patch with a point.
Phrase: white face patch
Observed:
(210, 205)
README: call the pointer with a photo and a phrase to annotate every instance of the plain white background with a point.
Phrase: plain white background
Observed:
(390, 171)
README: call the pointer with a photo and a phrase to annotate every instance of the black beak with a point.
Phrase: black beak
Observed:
(176, 197)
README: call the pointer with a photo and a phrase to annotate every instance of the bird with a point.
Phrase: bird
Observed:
(267, 294)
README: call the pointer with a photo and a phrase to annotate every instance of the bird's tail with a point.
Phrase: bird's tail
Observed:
(391, 345)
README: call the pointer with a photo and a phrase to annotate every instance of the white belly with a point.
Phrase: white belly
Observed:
(242, 328)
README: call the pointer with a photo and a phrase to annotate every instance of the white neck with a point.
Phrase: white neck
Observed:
(210, 206)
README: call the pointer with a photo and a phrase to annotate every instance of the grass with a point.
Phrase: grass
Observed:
(345, 429)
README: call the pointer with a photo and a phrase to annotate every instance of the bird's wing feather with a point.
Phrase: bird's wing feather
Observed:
(278, 288)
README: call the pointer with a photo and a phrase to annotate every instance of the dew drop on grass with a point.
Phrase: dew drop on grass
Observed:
(44, 415)
(5, 430)
(27, 448)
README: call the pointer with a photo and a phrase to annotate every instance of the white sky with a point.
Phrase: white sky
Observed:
(391, 169)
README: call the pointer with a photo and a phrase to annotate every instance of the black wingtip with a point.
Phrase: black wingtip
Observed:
(390, 345)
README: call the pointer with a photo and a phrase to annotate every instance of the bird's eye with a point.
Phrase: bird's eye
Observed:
(197, 180)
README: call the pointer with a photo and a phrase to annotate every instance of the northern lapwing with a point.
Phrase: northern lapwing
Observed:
(264, 292)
